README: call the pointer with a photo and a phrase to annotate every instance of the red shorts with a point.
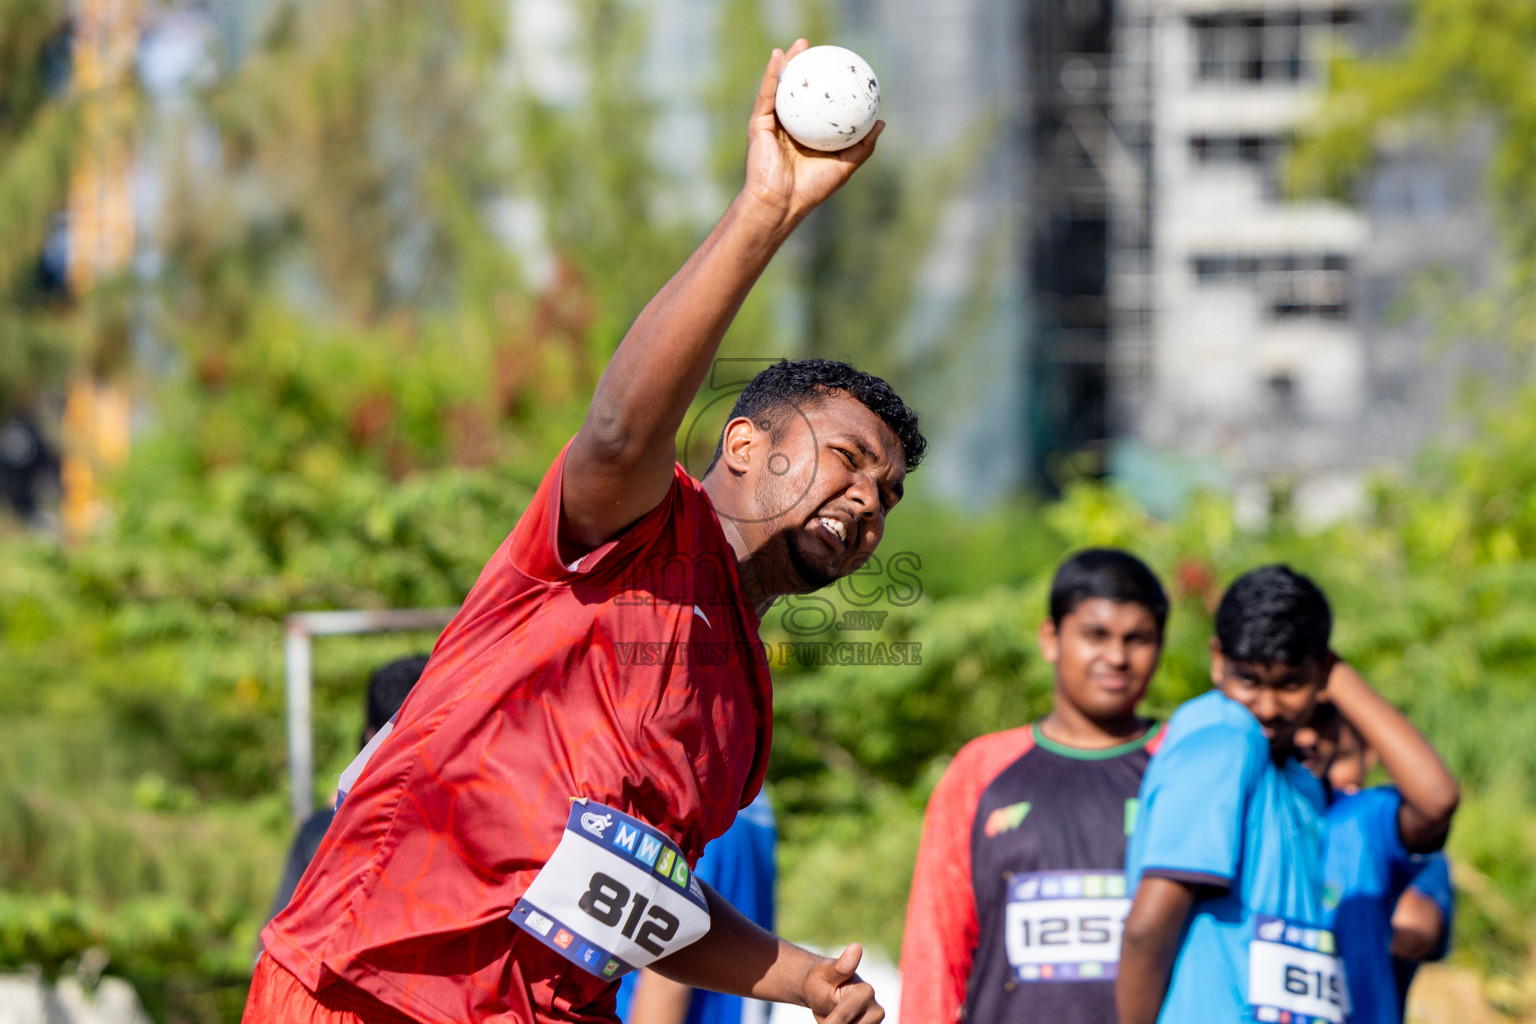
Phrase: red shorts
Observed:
(277, 997)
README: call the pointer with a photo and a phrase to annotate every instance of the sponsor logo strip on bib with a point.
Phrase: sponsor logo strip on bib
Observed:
(1065, 925)
(614, 896)
(1294, 974)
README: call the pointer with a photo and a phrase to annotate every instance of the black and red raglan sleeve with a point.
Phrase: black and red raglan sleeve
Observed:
(942, 924)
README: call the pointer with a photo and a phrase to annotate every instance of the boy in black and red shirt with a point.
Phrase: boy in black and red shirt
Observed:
(1019, 892)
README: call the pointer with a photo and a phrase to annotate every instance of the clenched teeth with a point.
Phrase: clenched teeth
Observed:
(837, 527)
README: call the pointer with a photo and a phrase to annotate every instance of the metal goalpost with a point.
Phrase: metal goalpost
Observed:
(300, 629)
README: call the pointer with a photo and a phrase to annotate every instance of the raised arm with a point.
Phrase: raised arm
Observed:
(619, 467)
(1428, 789)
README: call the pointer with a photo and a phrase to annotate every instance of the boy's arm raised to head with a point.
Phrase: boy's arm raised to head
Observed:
(619, 467)
(1428, 789)
(1148, 947)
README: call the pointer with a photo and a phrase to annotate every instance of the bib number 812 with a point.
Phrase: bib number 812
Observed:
(605, 900)
(1318, 985)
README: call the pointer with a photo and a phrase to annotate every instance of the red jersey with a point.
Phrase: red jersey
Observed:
(634, 677)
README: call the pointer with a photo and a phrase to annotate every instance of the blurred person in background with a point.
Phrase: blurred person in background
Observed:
(1019, 890)
(740, 867)
(1386, 885)
(1226, 861)
(387, 689)
(29, 468)
(600, 708)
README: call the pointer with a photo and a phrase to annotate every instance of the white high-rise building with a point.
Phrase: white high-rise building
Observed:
(1256, 349)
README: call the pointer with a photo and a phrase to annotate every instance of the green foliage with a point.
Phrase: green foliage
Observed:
(359, 388)
(1460, 59)
(37, 140)
(363, 384)
(1461, 64)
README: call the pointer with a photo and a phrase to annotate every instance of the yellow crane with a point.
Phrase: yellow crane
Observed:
(101, 239)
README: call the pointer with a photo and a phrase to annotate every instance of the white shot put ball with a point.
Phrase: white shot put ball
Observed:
(828, 98)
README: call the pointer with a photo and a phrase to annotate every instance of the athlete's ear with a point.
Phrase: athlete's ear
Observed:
(740, 437)
(1050, 641)
(1218, 663)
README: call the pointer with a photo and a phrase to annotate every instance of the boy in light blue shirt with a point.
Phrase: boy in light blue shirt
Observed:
(1226, 859)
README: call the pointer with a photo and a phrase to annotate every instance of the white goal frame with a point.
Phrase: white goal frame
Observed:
(300, 629)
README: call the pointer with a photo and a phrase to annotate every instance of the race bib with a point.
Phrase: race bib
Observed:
(1294, 975)
(615, 895)
(1065, 925)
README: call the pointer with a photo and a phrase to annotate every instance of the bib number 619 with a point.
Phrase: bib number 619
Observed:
(1317, 984)
(605, 900)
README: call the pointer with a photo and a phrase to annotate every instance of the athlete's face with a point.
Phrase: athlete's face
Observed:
(1282, 697)
(820, 492)
(1105, 653)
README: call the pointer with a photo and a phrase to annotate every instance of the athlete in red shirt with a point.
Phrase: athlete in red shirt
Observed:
(600, 708)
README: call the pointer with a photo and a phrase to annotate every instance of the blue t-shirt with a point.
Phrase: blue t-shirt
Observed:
(1217, 811)
(740, 867)
(1366, 869)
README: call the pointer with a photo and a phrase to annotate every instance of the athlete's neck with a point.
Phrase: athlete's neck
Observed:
(751, 581)
(1070, 727)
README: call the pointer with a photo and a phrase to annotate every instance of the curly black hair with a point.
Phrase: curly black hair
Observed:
(804, 381)
(1276, 615)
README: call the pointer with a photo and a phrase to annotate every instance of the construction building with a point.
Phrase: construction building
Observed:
(1255, 340)
(1184, 322)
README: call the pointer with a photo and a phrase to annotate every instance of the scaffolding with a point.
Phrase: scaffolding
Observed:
(1091, 97)
(1131, 268)
(1069, 91)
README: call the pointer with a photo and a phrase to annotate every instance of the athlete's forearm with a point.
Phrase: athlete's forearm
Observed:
(619, 467)
(1428, 789)
(739, 958)
(644, 393)
(1149, 944)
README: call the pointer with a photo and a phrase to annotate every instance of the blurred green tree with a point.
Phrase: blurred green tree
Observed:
(37, 138)
(365, 378)
(359, 380)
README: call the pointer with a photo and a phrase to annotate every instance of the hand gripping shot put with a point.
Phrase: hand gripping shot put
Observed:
(524, 832)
